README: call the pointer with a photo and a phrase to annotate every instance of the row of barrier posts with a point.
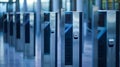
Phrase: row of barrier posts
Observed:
(19, 32)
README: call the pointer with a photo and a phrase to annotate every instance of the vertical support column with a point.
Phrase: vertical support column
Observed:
(17, 6)
(79, 5)
(50, 5)
(85, 20)
(10, 6)
(56, 5)
(94, 38)
(85, 12)
(68, 5)
(98, 3)
(39, 45)
(25, 6)
(113, 4)
(61, 37)
(107, 5)
(73, 5)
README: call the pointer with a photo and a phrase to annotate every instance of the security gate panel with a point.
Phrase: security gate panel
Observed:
(11, 28)
(19, 40)
(73, 39)
(50, 39)
(111, 38)
(46, 37)
(108, 39)
(68, 29)
(29, 34)
(5, 27)
(32, 34)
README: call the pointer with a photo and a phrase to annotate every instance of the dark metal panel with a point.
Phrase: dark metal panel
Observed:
(26, 21)
(68, 40)
(17, 20)
(117, 39)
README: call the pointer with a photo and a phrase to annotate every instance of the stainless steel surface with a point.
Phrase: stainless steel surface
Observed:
(111, 38)
(76, 26)
(19, 42)
(94, 37)
(29, 48)
(53, 34)
(61, 36)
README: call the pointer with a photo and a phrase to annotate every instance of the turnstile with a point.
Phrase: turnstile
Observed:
(5, 27)
(106, 39)
(19, 41)
(29, 34)
(11, 29)
(71, 39)
(50, 39)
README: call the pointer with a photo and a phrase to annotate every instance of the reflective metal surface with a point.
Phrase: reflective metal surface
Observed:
(111, 38)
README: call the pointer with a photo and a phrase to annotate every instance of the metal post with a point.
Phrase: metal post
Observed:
(56, 5)
(10, 6)
(53, 37)
(17, 6)
(77, 39)
(61, 38)
(94, 39)
(107, 5)
(79, 5)
(73, 5)
(25, 6)
(98, 3)
(39, 35)
(111, 38)
(113, 4)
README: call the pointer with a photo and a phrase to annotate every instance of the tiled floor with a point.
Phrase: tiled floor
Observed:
(10, 58)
